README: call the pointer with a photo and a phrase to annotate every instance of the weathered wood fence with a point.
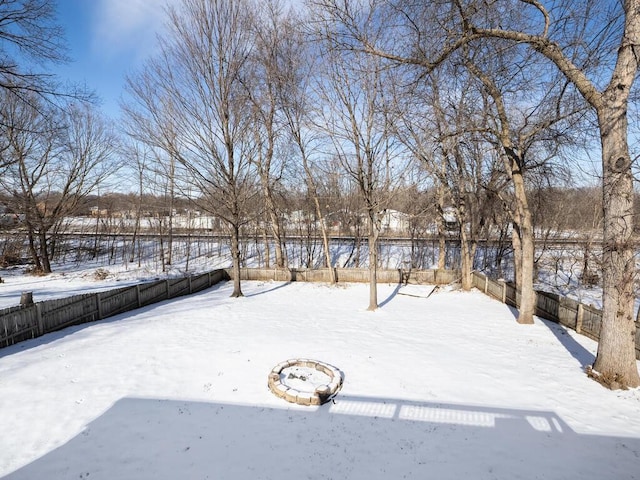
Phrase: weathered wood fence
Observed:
(584, 319)
(29, 321)
(348, 275)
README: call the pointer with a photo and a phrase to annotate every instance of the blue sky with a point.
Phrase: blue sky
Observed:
(108, 39)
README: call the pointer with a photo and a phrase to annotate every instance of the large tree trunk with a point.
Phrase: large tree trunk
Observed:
(525, 227)
(615, 363)
(44, 253)
(235, 257)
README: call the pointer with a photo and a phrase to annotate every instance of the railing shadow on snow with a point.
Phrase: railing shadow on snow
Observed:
(352, 437)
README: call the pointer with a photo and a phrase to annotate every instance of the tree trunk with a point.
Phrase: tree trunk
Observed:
(442, 244)
(516, 245)
(33, 251)
(235, 256)
(374, 231)
(325, 239)
(267, 248)
(615, 363)
(45, 261)
(466, 262)
(525, 228)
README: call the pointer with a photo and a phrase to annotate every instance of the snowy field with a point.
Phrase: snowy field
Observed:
(445, 387)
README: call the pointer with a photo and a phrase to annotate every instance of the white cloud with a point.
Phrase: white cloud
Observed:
(127, 26)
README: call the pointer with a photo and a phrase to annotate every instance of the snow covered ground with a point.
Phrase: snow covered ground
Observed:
(445, 387)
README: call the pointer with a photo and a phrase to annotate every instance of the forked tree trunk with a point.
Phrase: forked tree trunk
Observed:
(615, 362)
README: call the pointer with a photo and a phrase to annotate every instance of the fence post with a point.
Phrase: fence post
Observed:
(166, 283)
(486, 284)
(26, 298)
(189, 280)
(99, 306)
(504, 290)
(40, 320)
(579, 318)
(138, 295)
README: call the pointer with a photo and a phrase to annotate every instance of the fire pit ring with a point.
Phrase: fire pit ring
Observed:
(304, 381)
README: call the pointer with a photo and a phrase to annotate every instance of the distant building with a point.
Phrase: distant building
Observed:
(450, 219)
(394, 221)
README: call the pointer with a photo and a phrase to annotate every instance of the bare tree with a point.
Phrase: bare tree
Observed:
(357, 119)
(583, 39)
(294, 91)
(54, 166)
(262, 90)
(191, 101)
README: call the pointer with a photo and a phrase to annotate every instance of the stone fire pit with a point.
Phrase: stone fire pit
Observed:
(304, 381)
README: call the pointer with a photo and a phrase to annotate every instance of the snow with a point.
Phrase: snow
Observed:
(446, 387)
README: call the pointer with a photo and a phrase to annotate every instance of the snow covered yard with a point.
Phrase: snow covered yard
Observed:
(445, 387)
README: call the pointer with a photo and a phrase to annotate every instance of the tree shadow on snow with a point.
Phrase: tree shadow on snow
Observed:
(577, 351)
(391, 296)
(355, 437)
(269, 290)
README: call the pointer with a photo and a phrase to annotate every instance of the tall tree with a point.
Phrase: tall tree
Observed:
(586, 40)
(294, 85)
(358, 120)
(191, 101)
(262, 90)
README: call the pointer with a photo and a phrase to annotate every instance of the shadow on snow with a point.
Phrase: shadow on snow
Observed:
(355, 437)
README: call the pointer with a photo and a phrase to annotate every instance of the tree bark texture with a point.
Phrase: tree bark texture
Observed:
(615, 362)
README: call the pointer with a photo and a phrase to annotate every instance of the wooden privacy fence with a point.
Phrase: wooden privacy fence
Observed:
(348, 275)
(584, 319)
(29, 321)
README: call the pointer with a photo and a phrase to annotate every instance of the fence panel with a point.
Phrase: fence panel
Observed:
(117, 301)
(568, 312)
(355, 275)
(64, 312)
(479, 281)
(512, 297)
(152, 292)
(591, 321)
(18, 324)
(178, 287)
(548, 305)
(420, 276)
(199, 282)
